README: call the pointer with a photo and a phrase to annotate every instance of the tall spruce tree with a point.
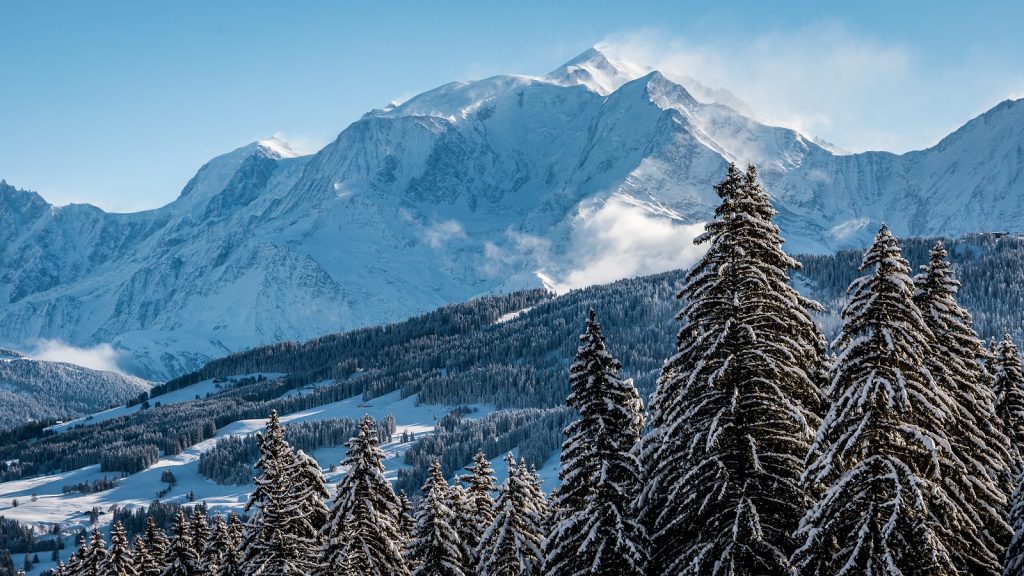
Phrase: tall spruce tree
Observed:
(434, 549)
(200, 527)
(92, 562)
(596, 530)
(279, 539)
(311, 493)
(362, 534)
(882, 450)
(466, 525)
(156, 545)
(979, 478)
(406, 515)
(736, 408)
(181, 558)
(480, 487)
(145, 565)
(512, 544)
(119, 561)
(1008, 385)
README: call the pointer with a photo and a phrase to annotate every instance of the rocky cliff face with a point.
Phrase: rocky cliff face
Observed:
(597, 171)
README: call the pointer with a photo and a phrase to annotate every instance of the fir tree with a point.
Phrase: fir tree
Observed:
(228, 540)
(311, 493)
(278, 539)
(92, 562)
(145, 563)
(406, 516)
(736, 408)
(200, 535)
(434, 549)
(511, 545)
(119, 561)
(881, 451)
(596, 531)
(181, 558)
(362, 535)
(480, 488)
(466, 525)
(1008, 385)
(978, 479)
(156, 545)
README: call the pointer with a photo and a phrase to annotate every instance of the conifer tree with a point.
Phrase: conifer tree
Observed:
(736, 407)
(511, 545)
(434, 549)
(278, 539)
(979, 479)
(362, 534)
(595, 530)
(180, 558)
(145, 564)
(1008, 385)
(119, 561)
(406, 516)
(92, 563)
(882, 451)
(156, 546)
(227, 539)
(200, 534)
(466, 525)
(311, 493)
(480, 488)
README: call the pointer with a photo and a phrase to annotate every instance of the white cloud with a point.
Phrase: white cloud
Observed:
(100, 357)
(825, 80)
(441, 233)
(617, 240)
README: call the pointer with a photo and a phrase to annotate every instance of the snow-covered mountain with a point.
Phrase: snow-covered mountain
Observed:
(36, 389)
(596, 171)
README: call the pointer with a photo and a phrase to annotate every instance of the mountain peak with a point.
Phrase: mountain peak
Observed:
(597, 71)
(277, 148)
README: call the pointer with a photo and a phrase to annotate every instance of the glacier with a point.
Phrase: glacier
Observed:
(599, 170)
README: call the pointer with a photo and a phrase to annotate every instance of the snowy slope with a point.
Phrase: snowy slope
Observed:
(599, 170)
(36, 389)
(51, 505)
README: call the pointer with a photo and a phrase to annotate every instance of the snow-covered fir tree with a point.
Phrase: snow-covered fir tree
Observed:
(881, 452)
(92, 563)
(406, 515)
(229, 543)
(1008, 385)
(279, 539)
(434, 549)
(596, 530)
(200, 534)
(979, 480)
(466, 525)
(362, 534)
(736, 408)
(181, 558)
(156, 546)
(540, 508)
(120, 561)
(311, 493)
(512, 544)
(480, 488)
(145, 564)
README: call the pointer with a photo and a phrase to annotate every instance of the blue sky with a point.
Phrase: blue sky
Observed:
(119, 103)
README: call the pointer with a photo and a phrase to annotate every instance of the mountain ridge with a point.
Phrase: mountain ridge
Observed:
(471, 188)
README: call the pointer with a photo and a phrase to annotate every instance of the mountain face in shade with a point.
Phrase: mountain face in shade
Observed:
(597, 171)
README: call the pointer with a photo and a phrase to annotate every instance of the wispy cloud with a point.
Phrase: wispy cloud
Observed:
(826, 80)
(100, 357)
(616, 239)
